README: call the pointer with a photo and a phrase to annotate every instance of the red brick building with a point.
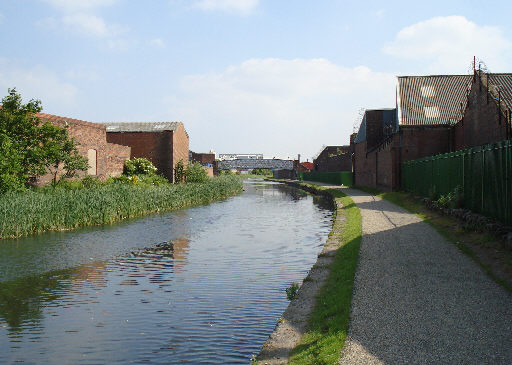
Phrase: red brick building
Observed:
(334, 158)
(105, 159)
(435, 114)
(164, 144)
(427, 108)
(488, 112)
(205, 159)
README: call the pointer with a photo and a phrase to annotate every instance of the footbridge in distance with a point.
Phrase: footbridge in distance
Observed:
(249, 164)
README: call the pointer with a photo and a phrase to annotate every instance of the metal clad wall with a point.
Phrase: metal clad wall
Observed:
(484, 173)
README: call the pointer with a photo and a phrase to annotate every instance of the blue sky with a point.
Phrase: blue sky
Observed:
(278, 77)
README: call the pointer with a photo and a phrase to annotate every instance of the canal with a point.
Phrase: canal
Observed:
(199, 285)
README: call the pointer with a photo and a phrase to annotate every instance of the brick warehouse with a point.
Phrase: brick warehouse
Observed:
(435, 114)
(164, 144)
(105, 159)
(420, 126)
(334, 158)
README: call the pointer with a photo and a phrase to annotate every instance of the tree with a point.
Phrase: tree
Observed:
(196, 173)
(29, 147)
(59, 153)
(11, 168)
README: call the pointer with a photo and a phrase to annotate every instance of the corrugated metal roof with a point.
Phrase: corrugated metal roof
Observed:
(142, 127)
(428, 100)
(503, 83)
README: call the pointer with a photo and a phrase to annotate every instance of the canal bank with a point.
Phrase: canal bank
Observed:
(109, 294)
(315, 323)
(36, 211)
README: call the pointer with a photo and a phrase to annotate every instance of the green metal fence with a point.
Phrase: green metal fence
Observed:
(484, 173)
(336, 178)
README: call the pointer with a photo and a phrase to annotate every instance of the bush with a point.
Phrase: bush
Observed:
(90, 182)
(454, 199)
(179, 172)
(195, 173)
(225, 172)
(139, 166)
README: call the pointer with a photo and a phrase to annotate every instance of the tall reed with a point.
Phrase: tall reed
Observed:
(32, 212)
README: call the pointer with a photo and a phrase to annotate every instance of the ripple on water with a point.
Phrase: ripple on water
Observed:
(210, 294)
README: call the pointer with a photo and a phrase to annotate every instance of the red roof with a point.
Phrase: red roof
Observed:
(308, 165)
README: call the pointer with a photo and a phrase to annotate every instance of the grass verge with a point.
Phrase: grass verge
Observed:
(487, 251)
(328, 322)
(31, 212)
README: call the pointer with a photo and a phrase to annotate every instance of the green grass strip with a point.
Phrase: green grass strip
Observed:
(329, 320)
(31, 212)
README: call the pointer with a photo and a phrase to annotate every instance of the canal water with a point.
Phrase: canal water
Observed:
(105, 295)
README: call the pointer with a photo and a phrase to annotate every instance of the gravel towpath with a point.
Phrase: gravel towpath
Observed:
(418, 299)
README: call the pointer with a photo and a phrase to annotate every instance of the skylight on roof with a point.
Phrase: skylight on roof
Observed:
(428, 91)
(431, 112)
(159, 126)
(112, 127)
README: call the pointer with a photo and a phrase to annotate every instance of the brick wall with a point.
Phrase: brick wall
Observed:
(155, 146)
(483, 121)
(203, 158)
(334, 158)
(380, 167)
(364, 166)
(180, 145)
(91, 136)
(423, 141)
(374, 131)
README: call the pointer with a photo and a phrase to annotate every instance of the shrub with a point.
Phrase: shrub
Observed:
(195, 173)
(90, 182)
(454, 199)
(139, 166)
(291, 291)
(179, 172)
(225, 172)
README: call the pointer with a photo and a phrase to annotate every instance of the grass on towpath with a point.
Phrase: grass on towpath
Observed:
(328, 323)
(30, 212)
(486, 250)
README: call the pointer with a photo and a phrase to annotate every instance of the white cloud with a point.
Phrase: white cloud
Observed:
(278, 107)
(37, 83)
(79, 16)
(79, 5)
(449, 43)
(232, 6)
(157, 42)
(91, 25)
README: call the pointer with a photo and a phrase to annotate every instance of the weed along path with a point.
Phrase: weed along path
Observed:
(418, 299)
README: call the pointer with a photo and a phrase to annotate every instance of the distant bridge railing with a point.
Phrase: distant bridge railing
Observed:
(255, 164)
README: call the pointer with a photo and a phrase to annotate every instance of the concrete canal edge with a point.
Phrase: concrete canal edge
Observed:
(295, 322)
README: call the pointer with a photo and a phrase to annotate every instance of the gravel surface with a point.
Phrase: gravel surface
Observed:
(418, 299)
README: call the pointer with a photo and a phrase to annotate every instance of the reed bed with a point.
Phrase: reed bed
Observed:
(33, 212)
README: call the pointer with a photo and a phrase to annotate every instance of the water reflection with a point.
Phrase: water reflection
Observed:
(199, 285)
(22, 299)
